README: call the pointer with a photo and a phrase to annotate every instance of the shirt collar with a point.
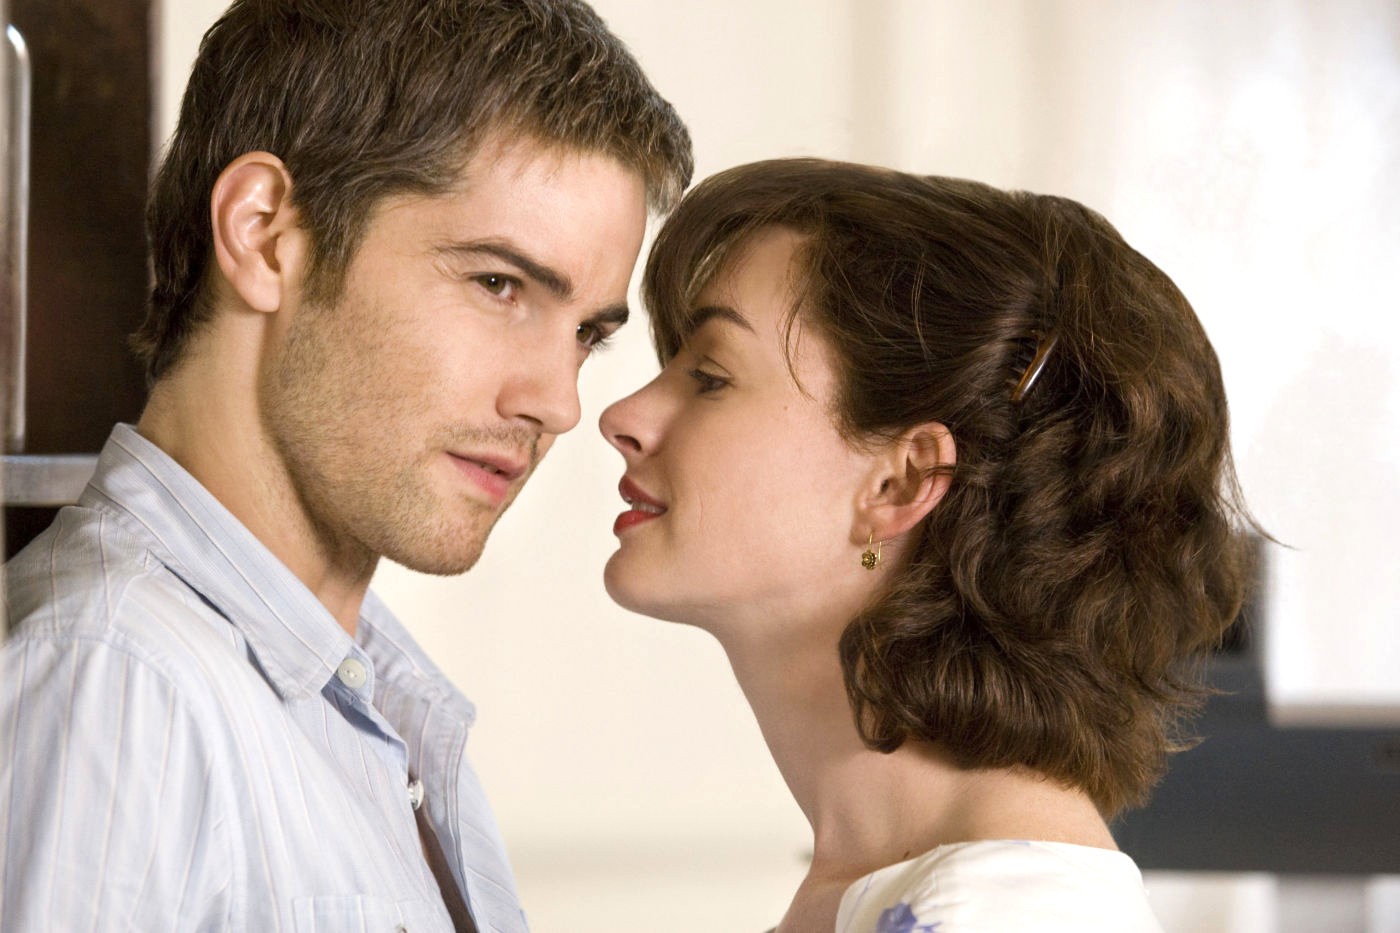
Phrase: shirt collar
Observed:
(400, 664)
(295, 640)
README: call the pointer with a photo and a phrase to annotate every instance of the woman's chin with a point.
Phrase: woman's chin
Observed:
(624, 586)
(632, 588)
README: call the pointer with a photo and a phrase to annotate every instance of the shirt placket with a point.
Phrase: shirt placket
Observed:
(355, 678)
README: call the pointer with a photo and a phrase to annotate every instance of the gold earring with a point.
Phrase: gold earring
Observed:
(870, 558)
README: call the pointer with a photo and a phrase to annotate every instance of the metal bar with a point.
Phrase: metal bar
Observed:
(46, 479)
(18, 246)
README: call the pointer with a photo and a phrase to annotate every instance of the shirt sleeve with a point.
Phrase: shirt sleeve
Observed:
(106, 819)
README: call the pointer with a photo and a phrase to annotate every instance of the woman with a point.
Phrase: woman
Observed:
(945, 469)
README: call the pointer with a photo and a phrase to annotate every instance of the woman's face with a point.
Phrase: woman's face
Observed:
(742, 491)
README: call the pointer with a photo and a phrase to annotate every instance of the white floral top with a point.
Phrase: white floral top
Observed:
(1001, 885)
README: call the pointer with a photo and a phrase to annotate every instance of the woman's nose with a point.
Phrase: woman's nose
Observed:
(625, 424)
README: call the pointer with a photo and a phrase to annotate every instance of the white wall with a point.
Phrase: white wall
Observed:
(1249, 148)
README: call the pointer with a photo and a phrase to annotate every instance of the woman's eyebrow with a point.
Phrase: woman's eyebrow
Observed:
(707, 313)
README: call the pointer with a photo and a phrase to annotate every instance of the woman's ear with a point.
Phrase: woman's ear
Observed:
(258, 240)
(911, 475)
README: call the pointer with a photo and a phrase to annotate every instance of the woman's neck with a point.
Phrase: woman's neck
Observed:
(869, 809)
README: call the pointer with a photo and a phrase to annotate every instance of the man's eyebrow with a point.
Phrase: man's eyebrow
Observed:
(616, 315)
(556, 282)
(707, 313)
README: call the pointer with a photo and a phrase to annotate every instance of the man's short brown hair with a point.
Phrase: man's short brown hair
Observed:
(362, 99)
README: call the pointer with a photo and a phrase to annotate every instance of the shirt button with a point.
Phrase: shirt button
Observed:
(351, 673)
(415, 794)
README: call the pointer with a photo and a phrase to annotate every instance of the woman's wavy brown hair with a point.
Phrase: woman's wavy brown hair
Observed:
(1088, 551)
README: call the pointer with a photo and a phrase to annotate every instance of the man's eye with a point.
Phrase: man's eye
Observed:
(502, 286)
(593, 336)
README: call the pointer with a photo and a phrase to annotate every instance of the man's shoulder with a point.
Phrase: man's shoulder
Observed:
(91, 578)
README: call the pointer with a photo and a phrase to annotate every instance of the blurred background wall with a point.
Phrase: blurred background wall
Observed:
(1250, 148)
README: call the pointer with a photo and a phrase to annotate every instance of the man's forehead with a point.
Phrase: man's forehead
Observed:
(518, 152)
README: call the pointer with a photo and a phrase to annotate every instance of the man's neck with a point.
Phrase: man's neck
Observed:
(205, 418)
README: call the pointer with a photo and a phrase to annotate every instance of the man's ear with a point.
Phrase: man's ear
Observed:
(258, 240)
(911, 474)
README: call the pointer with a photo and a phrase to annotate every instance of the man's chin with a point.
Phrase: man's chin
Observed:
(437, 537)
(438, 563)
(447, 556)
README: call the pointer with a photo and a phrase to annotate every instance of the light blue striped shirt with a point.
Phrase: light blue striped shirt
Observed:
(189, 740)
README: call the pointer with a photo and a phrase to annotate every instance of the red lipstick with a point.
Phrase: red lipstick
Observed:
(643, 508)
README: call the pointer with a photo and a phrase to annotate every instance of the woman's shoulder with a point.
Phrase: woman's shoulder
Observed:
(1001, 885)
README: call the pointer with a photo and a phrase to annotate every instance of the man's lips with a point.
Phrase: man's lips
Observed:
(643, 508)
(494, 473)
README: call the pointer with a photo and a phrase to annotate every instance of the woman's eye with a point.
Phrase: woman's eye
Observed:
(707, 382)
(502, 286)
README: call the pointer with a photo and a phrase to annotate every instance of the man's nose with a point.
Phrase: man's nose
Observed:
(542, 387)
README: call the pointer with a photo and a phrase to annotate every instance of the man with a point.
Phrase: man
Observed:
(385, 236)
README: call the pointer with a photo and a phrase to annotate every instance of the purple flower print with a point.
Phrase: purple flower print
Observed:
(900, 919)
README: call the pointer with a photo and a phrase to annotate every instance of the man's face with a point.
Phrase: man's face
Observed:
(409, 412)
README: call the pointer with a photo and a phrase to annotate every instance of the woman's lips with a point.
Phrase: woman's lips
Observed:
(643, 508)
